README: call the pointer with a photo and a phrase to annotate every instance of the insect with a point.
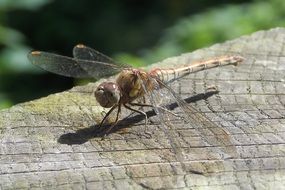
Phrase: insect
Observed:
(132, 84)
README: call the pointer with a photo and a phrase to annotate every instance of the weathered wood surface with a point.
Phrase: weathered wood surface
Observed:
(50, 143)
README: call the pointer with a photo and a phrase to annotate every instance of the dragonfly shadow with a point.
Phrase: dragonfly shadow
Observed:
(83, 135)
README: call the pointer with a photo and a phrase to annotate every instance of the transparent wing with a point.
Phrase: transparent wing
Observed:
(161, 97)
(155, 96)
(73, 67)
(81, 51)
(208, 131)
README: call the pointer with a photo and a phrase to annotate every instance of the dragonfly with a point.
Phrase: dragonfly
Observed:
(133, 84)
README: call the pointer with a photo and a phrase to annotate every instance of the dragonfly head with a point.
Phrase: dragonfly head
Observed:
(107, 94)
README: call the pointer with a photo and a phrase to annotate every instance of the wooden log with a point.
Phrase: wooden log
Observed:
(52, 142)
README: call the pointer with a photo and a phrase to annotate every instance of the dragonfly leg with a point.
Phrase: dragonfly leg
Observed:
(141, 112)
(114, 124)
(107, 115)
(139, 104)
(138, 111)
(148, 105)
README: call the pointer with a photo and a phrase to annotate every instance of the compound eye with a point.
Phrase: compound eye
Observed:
(107, 94)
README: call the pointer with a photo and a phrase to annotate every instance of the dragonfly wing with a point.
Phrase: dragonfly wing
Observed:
(165, 123)
(209, 131)
(57, 64)
(72, 67)
(81, 51)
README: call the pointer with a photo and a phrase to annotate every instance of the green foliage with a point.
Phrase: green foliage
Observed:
(5, 102)
(114, 25)
(22, 4)
(13, 52)
(129, 59)
(216, 25)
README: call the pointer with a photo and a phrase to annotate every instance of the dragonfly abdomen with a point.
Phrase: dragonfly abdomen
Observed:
(170, 75)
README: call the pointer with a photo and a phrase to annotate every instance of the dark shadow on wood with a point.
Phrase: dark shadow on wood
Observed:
(83, 135)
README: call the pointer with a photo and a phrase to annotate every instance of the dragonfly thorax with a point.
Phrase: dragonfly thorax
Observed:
(130, 83)
(107, 94)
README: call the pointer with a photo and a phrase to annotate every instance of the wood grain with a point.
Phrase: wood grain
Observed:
(52, 142)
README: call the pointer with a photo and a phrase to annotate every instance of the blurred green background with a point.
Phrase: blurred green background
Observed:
(133, 31)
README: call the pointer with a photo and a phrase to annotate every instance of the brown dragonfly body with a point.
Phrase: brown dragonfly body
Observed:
(131, 87)
(134, 83)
